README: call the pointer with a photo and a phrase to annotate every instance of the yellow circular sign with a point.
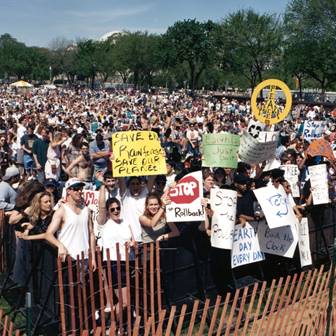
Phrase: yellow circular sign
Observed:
(269, 112)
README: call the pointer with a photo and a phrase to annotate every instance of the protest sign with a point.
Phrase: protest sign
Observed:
(220, 150)
(319, 183)
(185, 199)
(254, 127)
(268, 112)
(137, 153)
(304, 244)
(321, 147)
(292, 177)
(253, 151)
(224, 205)
(275, 205)
(245, 248)
(313, 129)
(280, 241)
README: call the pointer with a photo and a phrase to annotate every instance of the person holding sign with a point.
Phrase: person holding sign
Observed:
(153, 221)
(133, 197)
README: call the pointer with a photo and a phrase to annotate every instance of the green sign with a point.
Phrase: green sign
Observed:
(220, 150)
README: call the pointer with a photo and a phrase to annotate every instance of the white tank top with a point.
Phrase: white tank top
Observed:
(74, 234)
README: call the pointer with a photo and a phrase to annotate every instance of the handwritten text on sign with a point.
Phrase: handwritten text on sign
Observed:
(313, 129)
(319, 183)
(304, 245)
(253, 151)
(137, 153)
(220, 150)
(224, 205)
(292, 176)
(185, 199)
(275, 205)
(245, 249)
(280, 241)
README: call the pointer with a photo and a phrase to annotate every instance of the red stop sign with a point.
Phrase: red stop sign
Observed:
(185, 191)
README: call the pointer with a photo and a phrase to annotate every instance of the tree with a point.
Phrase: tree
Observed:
(192, 42)
(250, 44)
(311, 40)
(137, 54)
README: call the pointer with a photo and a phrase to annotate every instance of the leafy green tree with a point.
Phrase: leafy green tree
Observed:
(250, 44)
(138, 55)
(311, 40)
(192, 42)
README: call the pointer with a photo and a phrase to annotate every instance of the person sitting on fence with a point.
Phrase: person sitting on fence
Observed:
(73, 222)
(153, 220)
(114, 231)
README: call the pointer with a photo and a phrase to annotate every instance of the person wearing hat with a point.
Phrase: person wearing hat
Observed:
(73, 223)
(7, 192)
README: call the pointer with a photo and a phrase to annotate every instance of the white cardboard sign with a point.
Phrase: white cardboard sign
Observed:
(245, 249)
(292, 176)
(275, 205)
(280, 241)
(224, 205)
(319, 183)
(313, 129)
(304, 244)
(185, 199)
(253, 151)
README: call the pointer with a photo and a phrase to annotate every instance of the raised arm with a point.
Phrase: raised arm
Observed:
(101, 204)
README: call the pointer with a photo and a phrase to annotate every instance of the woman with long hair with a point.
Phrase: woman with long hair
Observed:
(153, 221)
(40, 214)
(114, 230)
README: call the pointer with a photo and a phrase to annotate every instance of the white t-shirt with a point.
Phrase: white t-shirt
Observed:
(133, 208)
(113, 233)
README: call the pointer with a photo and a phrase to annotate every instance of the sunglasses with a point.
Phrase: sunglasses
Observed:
(114, 209)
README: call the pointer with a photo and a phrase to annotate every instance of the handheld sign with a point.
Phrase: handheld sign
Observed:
(253, 151)
(269, 112)
(137, 153)
(292, 176)
(275, 205)
(246, 249)
(319, 183)
(254, 127)
(304, 244)
(185, 199)
(220, 150)
(224, 206)
(313, 129)
(321, 147)
(280, 241)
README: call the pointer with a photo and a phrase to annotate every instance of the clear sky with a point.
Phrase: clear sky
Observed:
(37, 22)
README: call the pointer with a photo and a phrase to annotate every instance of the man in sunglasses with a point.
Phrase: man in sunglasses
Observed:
(73, 224)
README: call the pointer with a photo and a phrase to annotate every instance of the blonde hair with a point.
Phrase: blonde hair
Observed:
(35, 208)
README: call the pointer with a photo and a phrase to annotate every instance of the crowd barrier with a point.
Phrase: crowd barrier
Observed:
(169, 289)
(295, 305)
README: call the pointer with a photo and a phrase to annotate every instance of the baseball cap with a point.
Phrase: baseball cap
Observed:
(74, 182)
(11, 172)
(50, 182)
(241, 179)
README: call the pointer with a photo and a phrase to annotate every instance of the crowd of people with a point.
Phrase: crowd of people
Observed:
(56, 143)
